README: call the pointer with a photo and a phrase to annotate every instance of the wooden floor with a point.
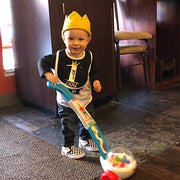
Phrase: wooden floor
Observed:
(165, 166)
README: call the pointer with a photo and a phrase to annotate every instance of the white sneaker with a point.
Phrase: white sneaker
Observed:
(88, 144)
(72, 152)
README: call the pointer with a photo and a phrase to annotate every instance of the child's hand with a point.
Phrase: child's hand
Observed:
(97, 86)
(49, 76)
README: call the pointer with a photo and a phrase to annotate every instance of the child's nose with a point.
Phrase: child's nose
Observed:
(76, 42)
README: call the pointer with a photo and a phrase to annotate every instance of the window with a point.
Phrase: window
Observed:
(6, 34)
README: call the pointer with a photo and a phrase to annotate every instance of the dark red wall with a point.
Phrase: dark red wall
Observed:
(7, 84)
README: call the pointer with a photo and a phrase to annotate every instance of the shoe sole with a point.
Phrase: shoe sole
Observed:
(73, 157)
(85, 148)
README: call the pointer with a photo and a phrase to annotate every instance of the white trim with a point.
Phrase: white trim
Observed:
(9, 72)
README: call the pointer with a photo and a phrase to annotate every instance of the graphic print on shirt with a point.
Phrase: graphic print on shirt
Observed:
(72, 75)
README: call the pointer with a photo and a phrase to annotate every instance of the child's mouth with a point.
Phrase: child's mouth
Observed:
(76, 49)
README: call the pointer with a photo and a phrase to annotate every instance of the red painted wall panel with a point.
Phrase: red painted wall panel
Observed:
(7, 84)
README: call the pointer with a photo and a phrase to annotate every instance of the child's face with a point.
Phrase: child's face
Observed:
(76, 41)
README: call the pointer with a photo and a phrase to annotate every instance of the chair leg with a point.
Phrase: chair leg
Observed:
(118, 80)
(146, 70)
(148, 67)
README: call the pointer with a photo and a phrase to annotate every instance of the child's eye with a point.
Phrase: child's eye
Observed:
(81, 39)
(70, 39)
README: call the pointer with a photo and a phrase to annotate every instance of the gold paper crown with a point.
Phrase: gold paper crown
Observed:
(75, 21)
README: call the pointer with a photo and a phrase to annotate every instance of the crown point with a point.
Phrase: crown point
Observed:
(75, 21)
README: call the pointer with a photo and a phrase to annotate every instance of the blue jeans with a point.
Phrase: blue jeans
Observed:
(69, 122)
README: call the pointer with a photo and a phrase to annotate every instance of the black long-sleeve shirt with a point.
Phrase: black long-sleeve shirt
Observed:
(76, 74)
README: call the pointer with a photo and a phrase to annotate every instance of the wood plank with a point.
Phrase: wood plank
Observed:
(164, 166)
(140, 174)
(172, 154)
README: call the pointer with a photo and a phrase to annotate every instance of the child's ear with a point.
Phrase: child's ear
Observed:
(62, 36)
(89, 39)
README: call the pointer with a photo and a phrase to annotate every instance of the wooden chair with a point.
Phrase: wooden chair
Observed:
(142, 49)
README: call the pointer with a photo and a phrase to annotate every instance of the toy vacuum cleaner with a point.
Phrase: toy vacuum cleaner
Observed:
(118, 163)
